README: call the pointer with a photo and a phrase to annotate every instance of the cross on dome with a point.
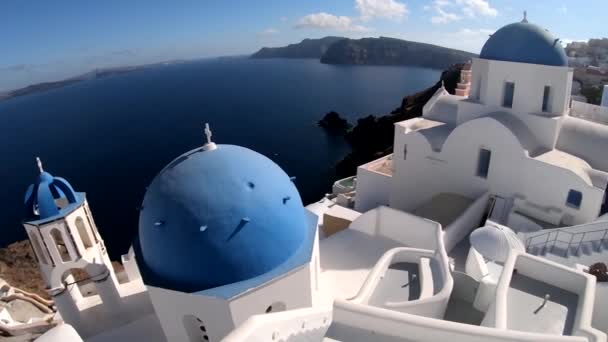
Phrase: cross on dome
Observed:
(525, 20)
(210, 145)
(39, 163)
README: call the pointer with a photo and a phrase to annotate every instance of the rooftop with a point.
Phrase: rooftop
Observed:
(383, 165)
(575, 164)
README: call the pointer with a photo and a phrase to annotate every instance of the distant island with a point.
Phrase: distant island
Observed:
(369, 51)
(308, 48)
(95, 74)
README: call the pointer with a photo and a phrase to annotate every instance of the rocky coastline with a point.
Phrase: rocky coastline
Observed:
(372, 137)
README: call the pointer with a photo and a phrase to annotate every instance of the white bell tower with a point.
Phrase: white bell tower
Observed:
(64, 238)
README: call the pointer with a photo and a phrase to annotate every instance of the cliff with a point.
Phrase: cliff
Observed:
(19, 267)
(391, 51)
(372, 137)
(308, 48)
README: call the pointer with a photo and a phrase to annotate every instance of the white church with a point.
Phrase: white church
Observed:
(480, 226)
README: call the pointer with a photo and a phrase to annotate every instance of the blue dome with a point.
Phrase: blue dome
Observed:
(217, 217)
(524, 43)
(49, 197)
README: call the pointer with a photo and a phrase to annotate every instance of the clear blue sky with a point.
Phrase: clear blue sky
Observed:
(51, 40)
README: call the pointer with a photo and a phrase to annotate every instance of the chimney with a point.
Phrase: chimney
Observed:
(463, 88)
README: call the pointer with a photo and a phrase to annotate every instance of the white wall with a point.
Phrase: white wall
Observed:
(130, 264)
(415, 179)
(62, 332)
(292, 290)
(303, 325)
(585, 139)
(464, 224)
(373, 189)
(426, 173)
(529, 79)
(563, 277)
(591, 112)
(422, 329)
(408, 229)
(171, 307)
(600, 309)
(475, 265)
(287, 292)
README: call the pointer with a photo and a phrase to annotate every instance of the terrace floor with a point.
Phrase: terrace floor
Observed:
(524, 311)
(443, 208)
(400, 283)
(461, 311)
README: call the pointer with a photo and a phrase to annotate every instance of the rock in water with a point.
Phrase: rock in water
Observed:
(334, 123)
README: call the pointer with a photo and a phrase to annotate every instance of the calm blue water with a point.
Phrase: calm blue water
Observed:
(110, 137)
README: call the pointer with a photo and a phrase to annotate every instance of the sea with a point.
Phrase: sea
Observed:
(109, 137)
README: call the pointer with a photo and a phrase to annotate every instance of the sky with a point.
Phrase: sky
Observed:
(52, 40)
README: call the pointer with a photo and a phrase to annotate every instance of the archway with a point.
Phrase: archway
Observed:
(62, 248)
(38, 248)
(83, 232)
(78, 283)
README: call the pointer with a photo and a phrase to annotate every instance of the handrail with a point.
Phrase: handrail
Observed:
(571, 242)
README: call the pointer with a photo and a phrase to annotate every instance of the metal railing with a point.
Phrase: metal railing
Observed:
(567, 240)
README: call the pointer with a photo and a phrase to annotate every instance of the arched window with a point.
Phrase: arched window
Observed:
(62, 248)
(83, 232)
(38, 248)
(276, 307)
(195, 328)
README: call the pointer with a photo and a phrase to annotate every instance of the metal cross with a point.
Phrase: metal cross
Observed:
(208, 133)
(39, 163)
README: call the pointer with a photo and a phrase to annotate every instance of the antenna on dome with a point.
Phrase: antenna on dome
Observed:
(210, 145)
(39, 163)
(525, 20)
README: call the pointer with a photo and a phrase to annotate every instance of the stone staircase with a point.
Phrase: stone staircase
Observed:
(566, 242)
(584, 248)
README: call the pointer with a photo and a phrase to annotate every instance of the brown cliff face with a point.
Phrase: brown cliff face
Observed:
(19, 268)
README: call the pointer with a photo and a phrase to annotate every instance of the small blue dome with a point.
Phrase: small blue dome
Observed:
(217, 217)
(49, 197)
(524, 43)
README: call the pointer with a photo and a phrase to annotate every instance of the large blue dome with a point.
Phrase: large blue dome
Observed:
(217, 217)
(524, 43)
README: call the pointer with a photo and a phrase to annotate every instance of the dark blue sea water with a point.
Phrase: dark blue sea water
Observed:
(109, 137)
